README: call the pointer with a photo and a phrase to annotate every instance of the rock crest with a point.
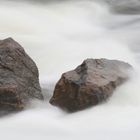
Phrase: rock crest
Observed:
(89, 84)
(18, 77)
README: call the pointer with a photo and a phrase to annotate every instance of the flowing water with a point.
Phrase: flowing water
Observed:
(59, 35)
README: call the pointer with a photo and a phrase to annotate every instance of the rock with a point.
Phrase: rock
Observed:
(18, 77)
(89, 84)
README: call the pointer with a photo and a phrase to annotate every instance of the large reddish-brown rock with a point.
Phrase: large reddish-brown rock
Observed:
(89, 84)
(18, 77)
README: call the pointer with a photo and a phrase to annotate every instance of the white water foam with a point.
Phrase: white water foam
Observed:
(59, 36)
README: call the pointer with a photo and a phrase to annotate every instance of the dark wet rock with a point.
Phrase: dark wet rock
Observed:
(18, 77)
(89, 84)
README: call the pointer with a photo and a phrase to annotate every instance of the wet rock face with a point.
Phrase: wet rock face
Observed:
(18, 77)
(89, 84)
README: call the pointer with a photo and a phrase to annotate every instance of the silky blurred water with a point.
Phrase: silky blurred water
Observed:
(59, 35)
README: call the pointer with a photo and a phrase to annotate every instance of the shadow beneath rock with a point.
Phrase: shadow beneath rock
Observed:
(7, 113)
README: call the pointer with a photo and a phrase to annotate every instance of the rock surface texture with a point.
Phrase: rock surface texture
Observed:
(89, 84)
(18, 77)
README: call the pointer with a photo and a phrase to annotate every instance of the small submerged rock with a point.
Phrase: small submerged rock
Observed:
(89, 84)
(18, 77)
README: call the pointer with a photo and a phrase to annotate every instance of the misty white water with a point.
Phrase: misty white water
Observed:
(59, 36)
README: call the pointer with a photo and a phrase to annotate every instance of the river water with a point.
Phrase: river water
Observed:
(59, 35)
